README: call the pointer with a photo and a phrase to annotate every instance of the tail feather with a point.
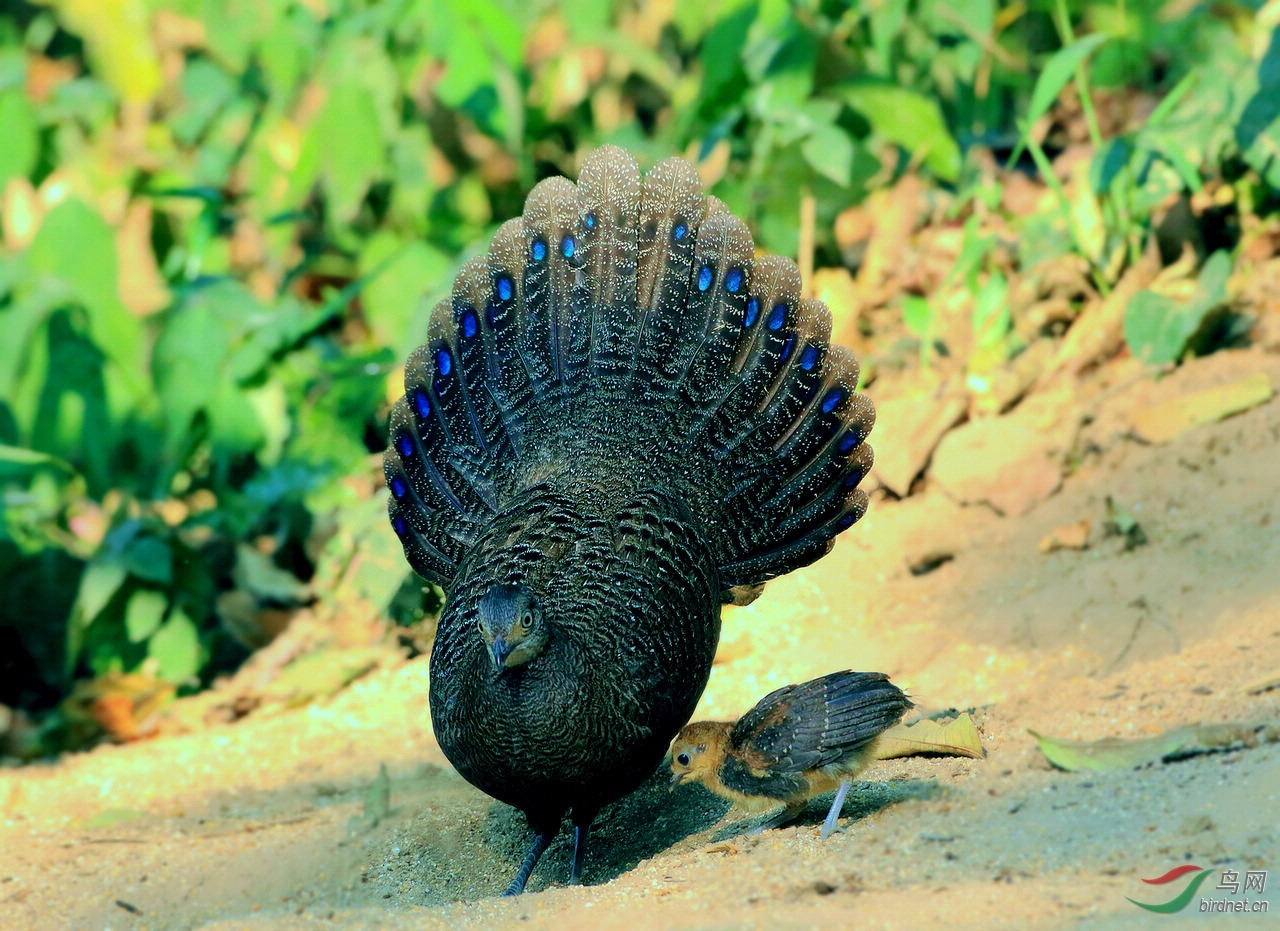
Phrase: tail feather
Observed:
(627, 327)
(672, 205)
(712, 322)
(550, 222)
(608, 216)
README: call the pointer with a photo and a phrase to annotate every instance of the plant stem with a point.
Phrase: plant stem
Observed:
(1082, 79)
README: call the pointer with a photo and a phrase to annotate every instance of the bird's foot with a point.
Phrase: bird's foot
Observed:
(579, 851)
(833, 816)
(540, 843)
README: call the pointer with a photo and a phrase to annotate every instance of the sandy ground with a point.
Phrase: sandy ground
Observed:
(259, 824)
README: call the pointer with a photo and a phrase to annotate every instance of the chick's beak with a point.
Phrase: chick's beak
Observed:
(500, 651)
(677, 778)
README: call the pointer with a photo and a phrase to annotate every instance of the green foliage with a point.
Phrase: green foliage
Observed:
(225, 223)
(1159, 329)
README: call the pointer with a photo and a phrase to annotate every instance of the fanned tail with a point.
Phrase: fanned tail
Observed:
(629, 323)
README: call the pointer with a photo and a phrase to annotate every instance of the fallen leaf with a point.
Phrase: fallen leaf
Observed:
(955, 738)
(1123, 753)
(1265, 684)
(1169, 419)
(1067, 537)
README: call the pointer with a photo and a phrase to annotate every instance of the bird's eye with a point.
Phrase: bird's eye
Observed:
(683, 759)
(526, 621)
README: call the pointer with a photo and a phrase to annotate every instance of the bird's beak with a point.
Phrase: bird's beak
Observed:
(500, 651)
(677, 778)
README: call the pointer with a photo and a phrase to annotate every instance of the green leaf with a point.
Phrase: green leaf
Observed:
(143, 615)
(76, 250)
(20, 139)
(176, 648)
(206, 89)
(100, 581)
(398, 276)
(150, 559)
(1160, 329)
(1060, 69)
(909, 119)
(830, 151)
(349, 147)
(917, 315)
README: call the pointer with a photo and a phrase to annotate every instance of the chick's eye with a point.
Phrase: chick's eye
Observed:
(683, 759)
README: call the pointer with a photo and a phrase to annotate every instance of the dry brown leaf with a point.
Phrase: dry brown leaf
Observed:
(141, 286)
(1067, 537)
(955, 738)
(1170, 419)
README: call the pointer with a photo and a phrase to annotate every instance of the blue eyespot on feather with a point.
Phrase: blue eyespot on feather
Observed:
(397, 524)
(753, 309)
(808, 358)
(846, 521)
(777, 316)
(704, 278)
(834, 397)
(567, 247)
(848, 441)
(404, 446)
(851, 480)
(786, 347)
(444, 361)
(398, 487)
(680, 232)
(504, 288)
(422, 404)
(538, 250)
(733, 280)
(469, 324)
(590, 220)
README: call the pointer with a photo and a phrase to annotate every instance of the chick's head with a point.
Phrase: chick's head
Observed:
(698, 751)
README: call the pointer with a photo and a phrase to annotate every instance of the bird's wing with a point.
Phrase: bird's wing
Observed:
(817, 723)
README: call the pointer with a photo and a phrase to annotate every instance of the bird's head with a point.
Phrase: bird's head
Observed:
(698, 751)
(511, 625)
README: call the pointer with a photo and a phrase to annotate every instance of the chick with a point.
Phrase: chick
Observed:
(794, 745)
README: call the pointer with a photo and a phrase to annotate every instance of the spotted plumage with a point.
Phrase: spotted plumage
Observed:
(624, 413)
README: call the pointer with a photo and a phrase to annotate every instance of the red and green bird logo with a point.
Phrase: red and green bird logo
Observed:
(1179, 901)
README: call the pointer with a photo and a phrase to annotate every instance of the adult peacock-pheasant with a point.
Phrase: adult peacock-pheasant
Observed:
(621, 420)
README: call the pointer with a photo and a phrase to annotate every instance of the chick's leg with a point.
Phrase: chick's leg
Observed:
(837, 805)
(541, 841)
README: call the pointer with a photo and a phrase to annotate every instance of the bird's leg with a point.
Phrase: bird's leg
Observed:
(790, 813)
(541, 841)
(837, 805)
(580, 829)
